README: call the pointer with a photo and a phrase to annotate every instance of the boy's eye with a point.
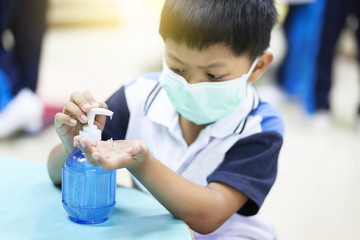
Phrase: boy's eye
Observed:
(212, 76)
(177, 70)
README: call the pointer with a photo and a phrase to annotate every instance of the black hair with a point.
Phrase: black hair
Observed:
(244, 25)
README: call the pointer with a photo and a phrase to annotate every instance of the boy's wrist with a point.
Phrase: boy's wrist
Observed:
(68, 149)
(68, 146)
(137, 168)
(66, 152)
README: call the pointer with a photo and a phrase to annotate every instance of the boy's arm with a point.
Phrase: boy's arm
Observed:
(204, 209)
(55, 162)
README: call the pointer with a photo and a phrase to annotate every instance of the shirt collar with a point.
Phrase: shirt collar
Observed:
(158, 107)
(234, 123)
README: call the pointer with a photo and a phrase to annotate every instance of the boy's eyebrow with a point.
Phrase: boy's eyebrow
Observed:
(213, 65)
(176, 59)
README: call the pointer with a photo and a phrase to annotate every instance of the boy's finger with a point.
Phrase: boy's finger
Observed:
(99, 161)
(90, 99)
(76, 141)
(61, 119)
(103, 105)
(72, 109)
(83, 144)
(96, 156)
(86, 147)
(80, 101)
(87, 142)
(101, 119)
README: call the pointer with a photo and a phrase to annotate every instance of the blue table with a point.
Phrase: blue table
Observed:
(31, 208)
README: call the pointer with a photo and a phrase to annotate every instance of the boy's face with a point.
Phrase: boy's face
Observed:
(213, 64)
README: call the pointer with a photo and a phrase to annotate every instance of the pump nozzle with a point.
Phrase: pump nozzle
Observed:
(90, 131)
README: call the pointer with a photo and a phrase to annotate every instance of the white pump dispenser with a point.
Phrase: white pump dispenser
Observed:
(90, 131)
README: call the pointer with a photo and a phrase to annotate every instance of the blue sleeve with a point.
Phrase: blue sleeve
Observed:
(250, 166)
(116, 128)
(271, 118)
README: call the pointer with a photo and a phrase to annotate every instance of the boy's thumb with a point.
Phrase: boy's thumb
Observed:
(137, 149)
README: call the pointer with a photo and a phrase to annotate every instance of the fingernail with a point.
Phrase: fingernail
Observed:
(73, 122)
(95, 104)
(83, 144)
(86, 106)
(96, 158)
(136, 149)
(84, 118)
(76, 143)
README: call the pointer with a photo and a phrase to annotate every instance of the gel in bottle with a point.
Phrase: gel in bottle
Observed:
(88, 191)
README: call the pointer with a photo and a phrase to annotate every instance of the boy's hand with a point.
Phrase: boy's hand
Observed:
(111, 154)
(73, 118)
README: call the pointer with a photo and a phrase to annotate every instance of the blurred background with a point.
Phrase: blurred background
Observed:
(99, 45)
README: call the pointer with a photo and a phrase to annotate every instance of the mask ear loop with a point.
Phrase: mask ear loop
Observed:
(164, 64)
(269, 50)
(253, 66)
(257, 59)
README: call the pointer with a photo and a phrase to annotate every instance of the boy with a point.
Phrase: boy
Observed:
(197, 136)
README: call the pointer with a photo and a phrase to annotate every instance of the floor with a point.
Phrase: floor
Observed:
(316, 195)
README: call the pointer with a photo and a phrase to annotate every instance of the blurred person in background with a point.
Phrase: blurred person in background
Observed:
(22, 25)
(302, 27)
(336, 13)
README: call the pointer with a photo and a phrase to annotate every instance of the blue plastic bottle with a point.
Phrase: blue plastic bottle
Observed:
(88, 191)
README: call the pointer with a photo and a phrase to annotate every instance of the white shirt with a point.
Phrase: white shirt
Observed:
(153, 120)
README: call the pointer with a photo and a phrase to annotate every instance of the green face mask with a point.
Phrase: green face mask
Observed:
(205, 102)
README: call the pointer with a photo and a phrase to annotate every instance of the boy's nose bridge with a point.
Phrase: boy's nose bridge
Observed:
(192, 78)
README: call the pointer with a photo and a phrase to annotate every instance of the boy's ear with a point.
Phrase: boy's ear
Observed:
(263, 63)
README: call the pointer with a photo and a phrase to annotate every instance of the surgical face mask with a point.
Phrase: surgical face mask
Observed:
(205, 102)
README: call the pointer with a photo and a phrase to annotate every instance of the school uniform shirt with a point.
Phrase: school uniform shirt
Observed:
(240, 150)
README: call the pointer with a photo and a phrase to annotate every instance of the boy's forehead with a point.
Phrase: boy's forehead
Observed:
(216, 53)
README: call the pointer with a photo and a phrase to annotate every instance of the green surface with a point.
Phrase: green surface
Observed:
(31, 208)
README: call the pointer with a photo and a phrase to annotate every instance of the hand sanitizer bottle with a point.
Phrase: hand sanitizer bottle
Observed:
(88, 191)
